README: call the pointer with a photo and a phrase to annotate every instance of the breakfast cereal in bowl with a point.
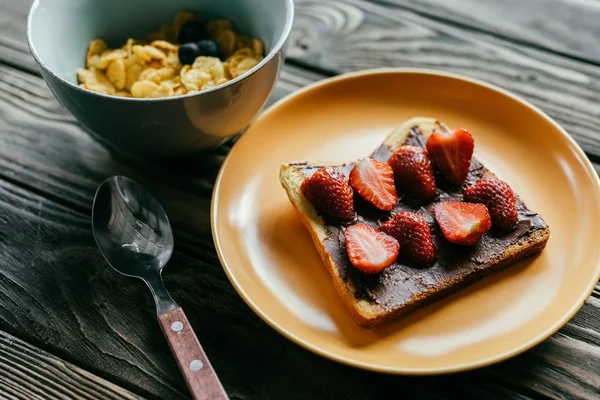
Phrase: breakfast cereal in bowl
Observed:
(187, 56)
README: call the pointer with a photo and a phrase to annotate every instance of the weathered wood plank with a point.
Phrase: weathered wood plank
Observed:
(13, 17)
(354, 34)
(27, 372)
(37, 147)
(565, 26)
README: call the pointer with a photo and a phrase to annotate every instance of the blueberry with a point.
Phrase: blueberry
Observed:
(188, 53)
(192, 31)
(208, 48)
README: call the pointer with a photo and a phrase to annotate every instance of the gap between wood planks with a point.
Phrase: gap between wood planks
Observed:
(473, 22)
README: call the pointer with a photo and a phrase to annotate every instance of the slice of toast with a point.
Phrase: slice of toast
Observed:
(402, 287)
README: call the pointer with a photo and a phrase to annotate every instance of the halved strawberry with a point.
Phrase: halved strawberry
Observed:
(498, 197)
(413, 172)
(452, 153)
(413, 234)
(328, 190)
(462, 223)
(374, 182)
(369, 249)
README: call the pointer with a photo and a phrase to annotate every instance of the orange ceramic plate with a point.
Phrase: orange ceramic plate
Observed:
(270, 258)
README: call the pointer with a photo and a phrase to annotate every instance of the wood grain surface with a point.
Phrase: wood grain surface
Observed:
(28, 373)
(57, 294)
(568, 27)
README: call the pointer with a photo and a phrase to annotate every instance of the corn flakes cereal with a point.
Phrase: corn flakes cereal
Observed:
(193, 79)
(128, 47)
(95, 80)
(157, 75)
(211, 65)
(172, 61)
(151, 68)
(257, 47)
(132, 75)
(164, 45)
(243, 42)
(163, 90)
(142, 89)
(227, 40)
(244, 66)
(107, 57)
(116, 73)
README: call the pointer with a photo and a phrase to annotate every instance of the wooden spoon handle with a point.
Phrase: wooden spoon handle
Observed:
(197, 371)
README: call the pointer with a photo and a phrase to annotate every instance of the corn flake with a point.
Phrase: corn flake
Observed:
(258, 48)
(132, 75)
(95, 80)
(164, 45)
(193, 79)
(227, 40)
(211, 65)
(163, 90)
(142, 89)
(242, 67)
(157, 75)
(108, 57)
(116, 73)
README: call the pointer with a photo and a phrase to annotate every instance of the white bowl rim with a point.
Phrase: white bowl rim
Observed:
(274, 50)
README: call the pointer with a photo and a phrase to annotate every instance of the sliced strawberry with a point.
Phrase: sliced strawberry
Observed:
(452, 153)
(413, 234)
(328, 190)
(413, 172)
(374, 182)
(499, 198)
(462, 223)
(369, 249)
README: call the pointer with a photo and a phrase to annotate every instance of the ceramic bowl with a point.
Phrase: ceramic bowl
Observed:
(59, 32)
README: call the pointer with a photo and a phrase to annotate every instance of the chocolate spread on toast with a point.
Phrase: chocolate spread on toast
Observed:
(398, 284)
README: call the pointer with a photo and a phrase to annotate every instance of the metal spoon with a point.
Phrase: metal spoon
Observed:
(133, 234)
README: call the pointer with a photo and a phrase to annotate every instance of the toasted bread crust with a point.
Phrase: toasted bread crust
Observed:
(366, 313)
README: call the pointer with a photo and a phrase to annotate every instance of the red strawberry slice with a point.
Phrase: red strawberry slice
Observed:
(462, 223)
(413, 172)
(328, 190)
(498, 197)
(374, 182)
(369, 249)
(413, 234)
(452, 153)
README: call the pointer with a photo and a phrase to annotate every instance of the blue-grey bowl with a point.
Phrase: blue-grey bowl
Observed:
(59, 31)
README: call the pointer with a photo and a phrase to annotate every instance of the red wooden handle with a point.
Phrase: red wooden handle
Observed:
(197, 371)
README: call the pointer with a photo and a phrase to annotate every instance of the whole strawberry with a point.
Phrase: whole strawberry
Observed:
(374, 182)
(413, 172)
(452, 153)
(369, 249)
(413, 234)
(328, 190)
(498, 197)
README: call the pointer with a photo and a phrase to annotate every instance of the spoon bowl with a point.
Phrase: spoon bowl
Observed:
(131, 228)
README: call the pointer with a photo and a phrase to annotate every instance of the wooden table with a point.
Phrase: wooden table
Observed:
(72, 328)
